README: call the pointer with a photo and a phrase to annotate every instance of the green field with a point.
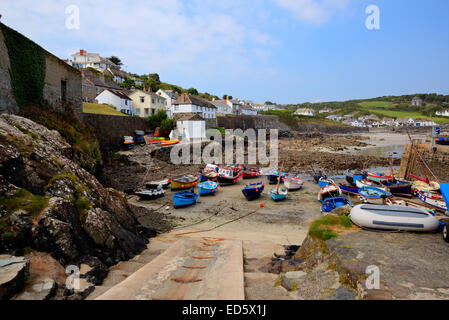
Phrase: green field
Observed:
(101, 109)
(386, 109)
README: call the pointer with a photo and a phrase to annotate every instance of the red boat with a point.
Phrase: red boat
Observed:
(376, 177)
(251, 173)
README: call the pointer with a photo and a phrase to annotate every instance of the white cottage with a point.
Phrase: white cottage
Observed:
(117, 99)
(191, 104)
(189, 126)
(305, 112)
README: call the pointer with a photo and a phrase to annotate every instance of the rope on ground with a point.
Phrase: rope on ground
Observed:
(220, 225)
(198, 222)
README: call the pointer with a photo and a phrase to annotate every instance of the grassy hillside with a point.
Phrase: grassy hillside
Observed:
(101, 109)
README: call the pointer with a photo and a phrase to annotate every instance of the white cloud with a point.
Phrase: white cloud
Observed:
(313, 11)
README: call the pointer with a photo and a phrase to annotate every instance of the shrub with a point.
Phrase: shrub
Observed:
(320, 228)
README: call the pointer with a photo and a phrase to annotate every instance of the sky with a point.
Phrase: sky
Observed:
(285, 51)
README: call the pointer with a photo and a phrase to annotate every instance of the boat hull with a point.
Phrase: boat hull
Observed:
(278, 196)
(393, 218)
(207, 188)
(399, 189)
(354, 191)
(437, 203)
(373, 195)
(253, 191)
(331, 204)
(184, 184)
(293, 184)
(184, 199)
(144, 195)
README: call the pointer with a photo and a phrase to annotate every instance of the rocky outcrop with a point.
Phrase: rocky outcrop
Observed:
(50, 204)
(13, 274)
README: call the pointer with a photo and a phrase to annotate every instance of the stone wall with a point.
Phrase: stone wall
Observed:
(7, 101)
(211, 123)
(251, 122)
(57, 71)
(111, 129)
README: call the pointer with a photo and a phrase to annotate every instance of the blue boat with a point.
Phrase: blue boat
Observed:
(353, 191)
(333, 203)
(207, 188)
(323, 182)
(273, 176)
(444, 189)
(184, 199)
(352, 177)
(253, 191)
(399, 188)
(374, 195)
(278, 195)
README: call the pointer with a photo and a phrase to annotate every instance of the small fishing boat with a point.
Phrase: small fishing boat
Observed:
(228, 176)
(376, 176)
(184, 182)
(353, 191)
(374, 195)
(169, 142)
(331, 204)
(150, 194)
(273, 176)
(324, 182)
(208, 176)
(155, 184)
(329, 191)
(236, 167)
(442, 141)
(128, 141)
(364, 183)
(253, 191)
(278, 194)
(445, 192)
(293, 183)
(398, 187)
(409, 203)
(251, 173)
(393, 218)
(352, 177)
(434, 200)
(184, 199)
(207, 188)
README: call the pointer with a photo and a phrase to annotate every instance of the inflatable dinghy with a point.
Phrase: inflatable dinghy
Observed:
(393, 218)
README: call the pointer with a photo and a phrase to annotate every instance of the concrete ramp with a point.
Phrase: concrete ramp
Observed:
(190, 269)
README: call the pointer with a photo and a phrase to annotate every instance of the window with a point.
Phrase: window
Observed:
(147, 111)
(142, 99)
(152, 111)
(176, 108)
(153, 101)
(126, 102)
(137, 111)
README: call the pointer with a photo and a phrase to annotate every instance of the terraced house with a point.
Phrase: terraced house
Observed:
(146, 103)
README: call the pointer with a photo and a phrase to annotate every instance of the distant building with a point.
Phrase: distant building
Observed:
(146, 103)
(349, 116)
(327, 110)
(117, 99)
(425, 123)
(248, 111)
(400, 122)
(187, 103)
(260, 107)
(222, 107)
(416, 101)
(305, 112)
(334, 118)
(83, 59)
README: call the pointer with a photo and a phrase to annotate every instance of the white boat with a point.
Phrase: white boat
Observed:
(329, 191)
(433, 199)
(364, 183)
(293, 183)
(393, 218)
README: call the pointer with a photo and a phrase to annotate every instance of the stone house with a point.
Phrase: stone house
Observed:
(417, 101)
(62, 89)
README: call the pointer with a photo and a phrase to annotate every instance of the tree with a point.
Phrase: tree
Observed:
(153, 84)
(128, 84)
(155, 77)
(228, 96)
(116, 60)
(192, 91)
(167, 125)
(156, 119)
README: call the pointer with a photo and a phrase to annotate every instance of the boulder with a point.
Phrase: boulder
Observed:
(38, 289)
(13, 274)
